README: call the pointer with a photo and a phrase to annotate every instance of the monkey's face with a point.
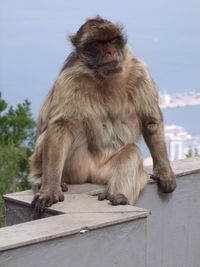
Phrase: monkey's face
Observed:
(106, 56)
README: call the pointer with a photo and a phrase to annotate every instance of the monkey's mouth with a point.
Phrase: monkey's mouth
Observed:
(111, 68)
(110, 64)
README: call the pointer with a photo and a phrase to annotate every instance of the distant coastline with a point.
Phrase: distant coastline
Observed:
(179, 100)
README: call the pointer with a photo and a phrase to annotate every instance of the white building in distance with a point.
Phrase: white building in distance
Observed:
(180, 143)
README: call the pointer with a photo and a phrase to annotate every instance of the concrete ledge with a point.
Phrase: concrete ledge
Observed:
(181, 167)
(63, 225)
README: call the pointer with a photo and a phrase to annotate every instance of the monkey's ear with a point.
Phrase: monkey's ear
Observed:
(73, 39)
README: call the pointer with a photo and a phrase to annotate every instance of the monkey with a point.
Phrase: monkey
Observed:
(103, 100)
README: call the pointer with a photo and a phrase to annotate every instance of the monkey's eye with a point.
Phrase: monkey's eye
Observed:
(114, 41)
(91, 46)
(118, 41)
(99, 42)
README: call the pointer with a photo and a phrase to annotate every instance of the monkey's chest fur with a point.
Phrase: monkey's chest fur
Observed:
(118, 127)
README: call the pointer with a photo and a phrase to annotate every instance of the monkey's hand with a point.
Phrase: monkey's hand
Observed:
(45, 198)
(165, 178)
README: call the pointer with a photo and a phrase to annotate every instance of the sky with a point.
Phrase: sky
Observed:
(34, 45)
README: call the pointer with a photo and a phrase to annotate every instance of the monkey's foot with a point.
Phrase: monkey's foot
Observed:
(115, 199)
(43, 200)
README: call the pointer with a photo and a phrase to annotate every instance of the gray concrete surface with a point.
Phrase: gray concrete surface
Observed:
(113, 246)
(173, 228)
(168, 237)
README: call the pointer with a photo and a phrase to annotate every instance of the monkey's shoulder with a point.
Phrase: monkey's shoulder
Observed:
(139, 81)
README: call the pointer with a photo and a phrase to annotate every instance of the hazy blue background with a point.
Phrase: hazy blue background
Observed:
(33, 45)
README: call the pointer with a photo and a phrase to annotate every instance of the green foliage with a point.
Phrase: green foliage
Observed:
(17, 137)
(192, 153)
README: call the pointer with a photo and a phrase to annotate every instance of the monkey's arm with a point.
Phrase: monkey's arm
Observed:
(56, 146)
(153, 133)
(154, 137)
(57, 127)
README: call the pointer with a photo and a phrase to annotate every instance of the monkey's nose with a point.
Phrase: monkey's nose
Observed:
(111, 54)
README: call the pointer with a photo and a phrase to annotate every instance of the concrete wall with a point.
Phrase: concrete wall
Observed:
(118, 245)
(173, 228)
(117, 236)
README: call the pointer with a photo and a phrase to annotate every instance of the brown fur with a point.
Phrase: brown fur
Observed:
(89, 125)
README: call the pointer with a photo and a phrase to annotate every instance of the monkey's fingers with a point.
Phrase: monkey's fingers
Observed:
(103, 196)
(34, 201)
(39, 203)
(167, 185)
(42, 204)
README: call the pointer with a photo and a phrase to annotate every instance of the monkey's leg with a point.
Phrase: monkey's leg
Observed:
(35, 161)
(154, 137)
(35, 172)
(126, 176)
(55, 150)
